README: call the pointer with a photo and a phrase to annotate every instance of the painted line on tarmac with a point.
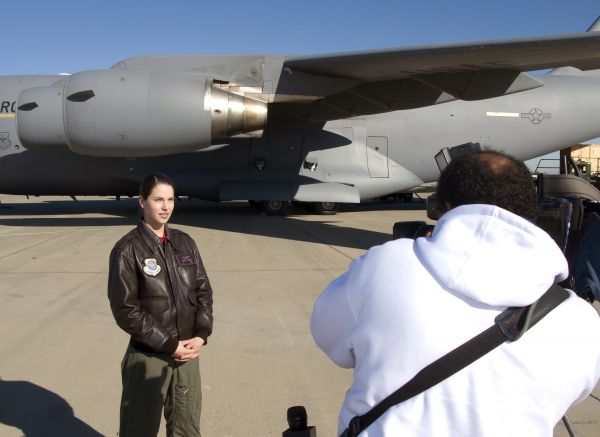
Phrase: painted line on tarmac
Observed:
(47, 232)
(319, 239)
(31, 246)
(41, 272)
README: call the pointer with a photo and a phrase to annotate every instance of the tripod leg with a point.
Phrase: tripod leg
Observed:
(569, 426)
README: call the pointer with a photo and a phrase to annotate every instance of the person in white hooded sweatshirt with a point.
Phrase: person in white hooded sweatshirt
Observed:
(407, 303)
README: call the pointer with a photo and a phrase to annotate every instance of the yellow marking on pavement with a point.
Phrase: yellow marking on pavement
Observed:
(7, 115)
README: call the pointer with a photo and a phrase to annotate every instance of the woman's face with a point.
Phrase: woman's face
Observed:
(158, 206)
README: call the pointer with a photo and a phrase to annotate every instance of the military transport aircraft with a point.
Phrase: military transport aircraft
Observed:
(275, 129)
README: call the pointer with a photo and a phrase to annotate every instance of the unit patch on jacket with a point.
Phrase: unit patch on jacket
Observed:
(185, 260)
(151, 268)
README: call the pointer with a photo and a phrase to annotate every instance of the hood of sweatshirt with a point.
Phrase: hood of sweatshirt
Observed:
(492, 256)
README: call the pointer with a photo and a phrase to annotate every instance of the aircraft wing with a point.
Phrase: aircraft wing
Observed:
(161, 105)
(342, 85)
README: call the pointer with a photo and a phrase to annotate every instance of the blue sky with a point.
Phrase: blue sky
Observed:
(49, 37)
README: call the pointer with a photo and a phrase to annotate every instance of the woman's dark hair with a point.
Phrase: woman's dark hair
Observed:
(151, 181)
(489, 177)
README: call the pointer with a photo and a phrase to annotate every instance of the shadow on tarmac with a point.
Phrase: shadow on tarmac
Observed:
(235, 217)
(39, 412)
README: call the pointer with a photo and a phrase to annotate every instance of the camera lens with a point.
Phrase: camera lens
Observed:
(297, 418)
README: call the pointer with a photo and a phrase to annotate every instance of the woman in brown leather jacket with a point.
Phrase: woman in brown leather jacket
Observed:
(160, 295)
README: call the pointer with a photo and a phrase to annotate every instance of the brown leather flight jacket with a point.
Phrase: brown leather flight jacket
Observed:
(159, 292)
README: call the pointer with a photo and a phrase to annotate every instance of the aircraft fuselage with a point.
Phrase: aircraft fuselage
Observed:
(343, 160)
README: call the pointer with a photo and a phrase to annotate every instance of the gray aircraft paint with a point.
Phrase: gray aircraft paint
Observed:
(413, 137)
(312, 149)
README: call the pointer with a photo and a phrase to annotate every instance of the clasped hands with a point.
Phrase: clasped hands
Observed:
(188, 349)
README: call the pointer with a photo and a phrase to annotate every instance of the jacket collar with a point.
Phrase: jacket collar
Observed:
(149, 237)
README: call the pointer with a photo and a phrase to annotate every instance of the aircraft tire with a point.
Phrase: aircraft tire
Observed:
(255, 205)
(325, 208)
(275, 207)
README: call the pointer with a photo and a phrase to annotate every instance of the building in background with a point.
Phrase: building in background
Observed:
(587, 156)
(586, 152)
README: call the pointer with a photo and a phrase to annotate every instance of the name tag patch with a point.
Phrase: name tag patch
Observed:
(151, 267)
(185, 260)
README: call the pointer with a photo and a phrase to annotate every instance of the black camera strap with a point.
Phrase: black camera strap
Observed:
(508, 326)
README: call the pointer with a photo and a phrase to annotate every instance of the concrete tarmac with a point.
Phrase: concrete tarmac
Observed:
(61, 350)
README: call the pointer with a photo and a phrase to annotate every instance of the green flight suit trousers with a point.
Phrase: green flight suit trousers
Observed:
(154, 381)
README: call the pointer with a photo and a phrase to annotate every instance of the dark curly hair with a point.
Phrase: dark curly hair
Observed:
(488, 177)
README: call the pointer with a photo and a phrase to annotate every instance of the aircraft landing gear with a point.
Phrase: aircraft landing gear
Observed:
(325, 208)
(275, 207)
(320, 208)
(282, 207)
(255, 205)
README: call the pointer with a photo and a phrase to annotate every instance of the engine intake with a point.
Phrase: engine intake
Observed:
(133, 114)
(40, 118)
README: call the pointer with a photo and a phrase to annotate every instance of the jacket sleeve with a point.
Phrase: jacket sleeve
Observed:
(204, 300)
(127, 309)
(333, 320)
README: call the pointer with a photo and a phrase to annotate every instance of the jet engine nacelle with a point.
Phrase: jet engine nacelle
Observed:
(40, 120)
(133, 113)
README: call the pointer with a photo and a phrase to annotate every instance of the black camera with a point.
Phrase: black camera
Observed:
(412, 229)
(298, 423)
(568, 210)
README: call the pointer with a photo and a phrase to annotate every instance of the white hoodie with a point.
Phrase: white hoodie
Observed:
(407, 303)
